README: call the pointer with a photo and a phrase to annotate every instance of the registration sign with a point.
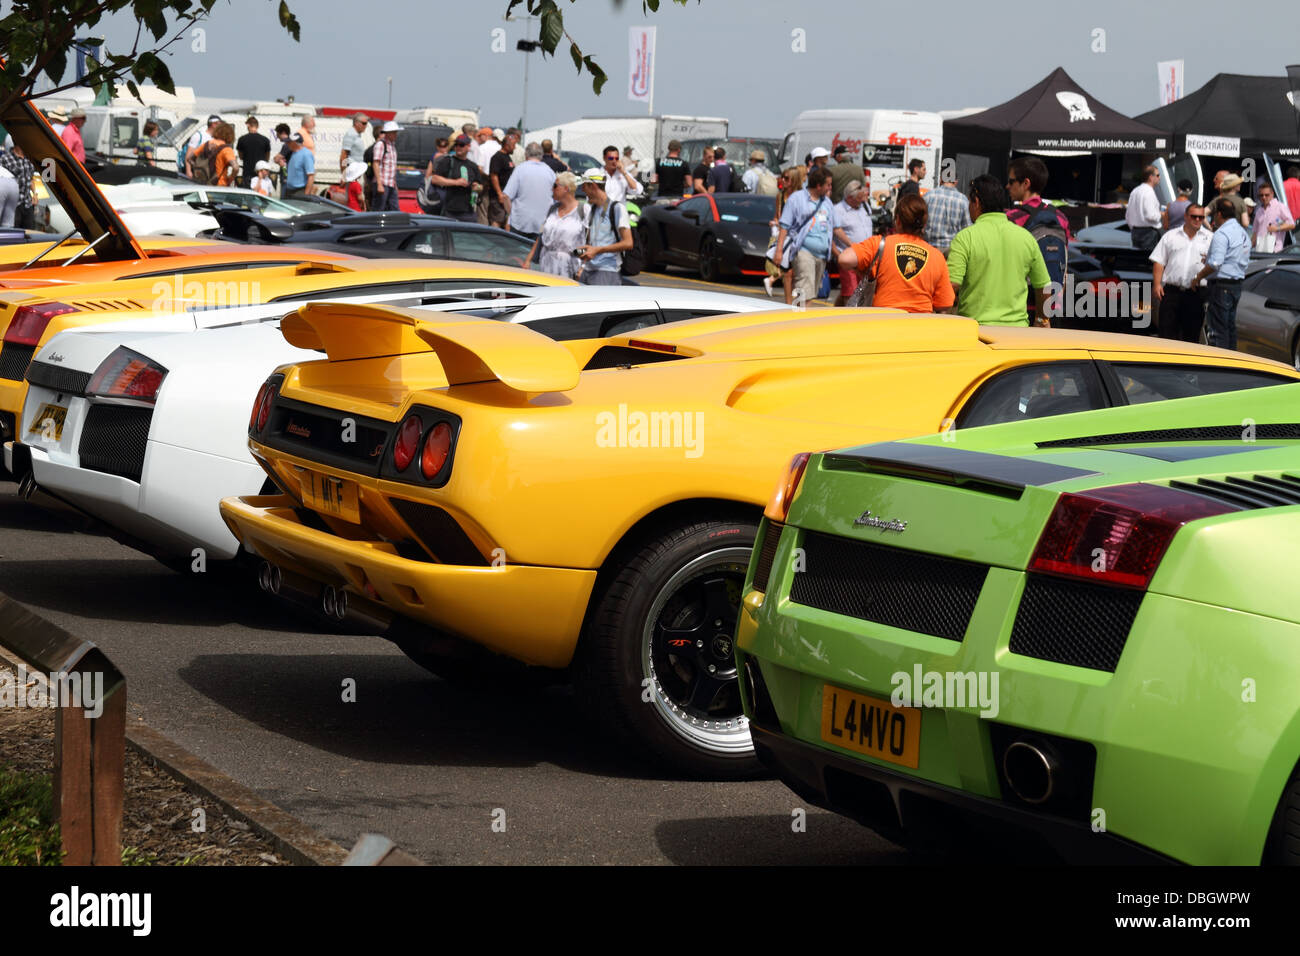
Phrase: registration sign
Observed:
(330, 495)
(48, 422)
(871, 726)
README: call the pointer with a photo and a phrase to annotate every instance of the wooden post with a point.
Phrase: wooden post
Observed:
(107, 763)
(89, 752)
(72, 799)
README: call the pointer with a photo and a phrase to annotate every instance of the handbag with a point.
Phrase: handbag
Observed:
(866, 290)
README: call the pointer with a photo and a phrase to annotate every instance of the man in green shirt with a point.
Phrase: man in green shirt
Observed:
(991, 259)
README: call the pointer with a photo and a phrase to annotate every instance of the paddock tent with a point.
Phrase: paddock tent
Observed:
(1055, 117)
(1233, 115)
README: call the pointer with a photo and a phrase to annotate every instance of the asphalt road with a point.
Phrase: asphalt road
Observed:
(253, 687)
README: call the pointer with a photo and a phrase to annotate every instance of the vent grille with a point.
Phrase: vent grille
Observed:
(14, 360)
(114, 438)
(1287, 430)
(899, 588)
(107, 305)
(439, 532)
(58, 378)
(1074, 622)
(766, 555)
(1261, 491)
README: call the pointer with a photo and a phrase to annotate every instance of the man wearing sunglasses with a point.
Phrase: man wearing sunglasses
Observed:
(1176, 261)
(618, 183)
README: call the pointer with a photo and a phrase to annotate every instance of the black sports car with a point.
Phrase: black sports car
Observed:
(716, 233)
(382, 234)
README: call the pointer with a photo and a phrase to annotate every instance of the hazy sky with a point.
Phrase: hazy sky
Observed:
(731, 58)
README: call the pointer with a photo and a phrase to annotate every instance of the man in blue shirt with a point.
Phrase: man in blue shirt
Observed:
(300, 171)
(1227, 260)
(803, 242)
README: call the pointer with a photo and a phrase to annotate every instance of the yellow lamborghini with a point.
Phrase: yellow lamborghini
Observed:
(590, 506)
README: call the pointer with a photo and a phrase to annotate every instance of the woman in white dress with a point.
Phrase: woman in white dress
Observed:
(562, 232)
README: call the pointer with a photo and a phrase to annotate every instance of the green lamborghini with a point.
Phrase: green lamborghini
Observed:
(1084, 630)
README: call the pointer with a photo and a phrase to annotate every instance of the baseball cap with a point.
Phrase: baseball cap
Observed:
(841, 148)
(391, 127)
(296, 138)
(461, 140)
(819, 152)
(214, 118)
(9, 142)
(263, 164)
(594, 175)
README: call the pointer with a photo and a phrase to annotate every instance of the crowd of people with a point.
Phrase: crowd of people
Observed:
(1200, 253)
(991, 254)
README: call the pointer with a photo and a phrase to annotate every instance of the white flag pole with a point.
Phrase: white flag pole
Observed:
(654, 56)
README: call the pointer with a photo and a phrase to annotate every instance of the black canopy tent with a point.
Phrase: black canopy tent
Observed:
(1233, 115)
(1061, 122)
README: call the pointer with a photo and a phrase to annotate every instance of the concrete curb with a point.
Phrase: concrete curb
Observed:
(294, 840)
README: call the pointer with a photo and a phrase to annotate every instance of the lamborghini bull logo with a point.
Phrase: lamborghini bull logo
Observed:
(1077, 105)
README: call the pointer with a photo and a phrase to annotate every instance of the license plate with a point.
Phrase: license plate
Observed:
(871, 726)
(330, 495)
(48, 422)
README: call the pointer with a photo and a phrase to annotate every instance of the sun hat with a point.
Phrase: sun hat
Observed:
(354, 171)
(391, 127)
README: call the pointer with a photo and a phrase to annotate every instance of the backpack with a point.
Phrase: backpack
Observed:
(766, 184)
(1052, 241)
(204, 164)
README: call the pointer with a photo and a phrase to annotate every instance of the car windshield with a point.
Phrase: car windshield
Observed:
(751, 209)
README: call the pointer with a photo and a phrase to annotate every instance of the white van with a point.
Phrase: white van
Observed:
(883, 141)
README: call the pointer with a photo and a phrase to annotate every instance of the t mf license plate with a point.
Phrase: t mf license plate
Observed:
(871, 726)
(48, 422)
(330, 495)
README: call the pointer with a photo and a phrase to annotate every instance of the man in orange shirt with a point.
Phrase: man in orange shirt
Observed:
(910, 274)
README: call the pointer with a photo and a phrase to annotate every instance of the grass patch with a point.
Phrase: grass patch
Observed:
(29, 836)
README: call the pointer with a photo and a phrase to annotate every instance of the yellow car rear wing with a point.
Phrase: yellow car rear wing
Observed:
(471, 349)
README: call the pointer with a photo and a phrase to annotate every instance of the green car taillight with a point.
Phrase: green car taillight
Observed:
(1117, 535)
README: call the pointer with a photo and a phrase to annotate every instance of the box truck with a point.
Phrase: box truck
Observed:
(647, 135)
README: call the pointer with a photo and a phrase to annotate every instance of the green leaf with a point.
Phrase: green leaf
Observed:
(651, 5)
(57, 66)
(135, 90)
(289, 21)
(598, 76)
(162, 78)
(577, 56)
(552, 26)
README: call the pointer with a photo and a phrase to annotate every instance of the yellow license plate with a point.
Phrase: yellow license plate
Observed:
(48, 422)
(871, 726)
(330, 495)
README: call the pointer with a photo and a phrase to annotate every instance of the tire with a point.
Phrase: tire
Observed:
(658, 697)
(1282, 848)
(710, 268)
(465, 664)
